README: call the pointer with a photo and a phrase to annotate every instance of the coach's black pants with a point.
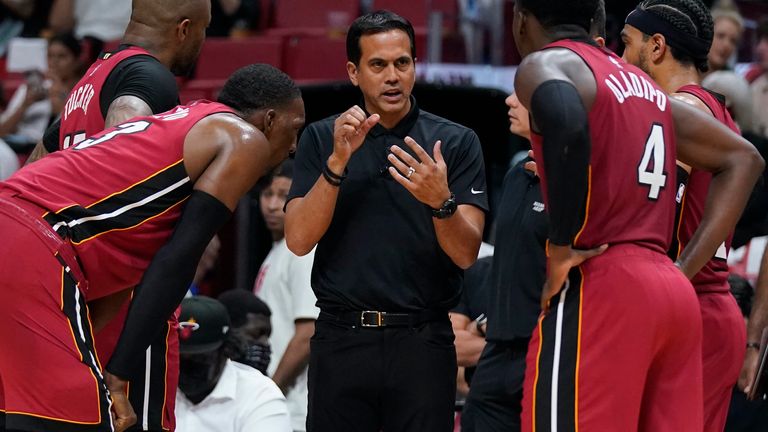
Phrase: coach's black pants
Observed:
(495, 396)
(391, 379)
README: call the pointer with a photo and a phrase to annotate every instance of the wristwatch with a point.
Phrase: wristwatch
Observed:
(447, 209)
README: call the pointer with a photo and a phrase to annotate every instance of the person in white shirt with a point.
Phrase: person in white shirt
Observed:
(283, 283)
(217, 394)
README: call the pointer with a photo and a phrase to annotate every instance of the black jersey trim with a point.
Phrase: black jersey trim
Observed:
(126, 209)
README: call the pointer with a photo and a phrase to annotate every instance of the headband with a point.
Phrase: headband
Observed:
(650, 24)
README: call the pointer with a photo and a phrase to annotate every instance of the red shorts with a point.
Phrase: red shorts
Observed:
(620, 350)
(51, 378)
(153, 392)
(723, 344)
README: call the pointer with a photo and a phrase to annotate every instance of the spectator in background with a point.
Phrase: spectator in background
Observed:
(41, 98)
(738, 98)
(284, 283)
(729, 28)
(760, 85)
(217, 394)
(233, 17)
(251, 317)
(103, 20)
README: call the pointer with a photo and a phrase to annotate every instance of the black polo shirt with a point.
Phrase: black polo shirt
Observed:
(519, 259)
(381, 251)
(475, 293)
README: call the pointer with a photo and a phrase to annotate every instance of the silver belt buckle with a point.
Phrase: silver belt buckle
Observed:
(379, 318)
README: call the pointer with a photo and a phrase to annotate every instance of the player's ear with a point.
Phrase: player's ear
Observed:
(182, 29)
(269, 120)
(658, 47)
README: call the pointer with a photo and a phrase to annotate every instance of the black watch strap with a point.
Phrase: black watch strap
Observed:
(447, 209)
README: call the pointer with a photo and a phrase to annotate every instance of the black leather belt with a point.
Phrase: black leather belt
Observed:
(384, 319)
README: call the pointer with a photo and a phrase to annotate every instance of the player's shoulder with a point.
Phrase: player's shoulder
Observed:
(442, 125)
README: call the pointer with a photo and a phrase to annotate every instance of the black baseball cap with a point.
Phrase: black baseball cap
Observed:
(203, 325)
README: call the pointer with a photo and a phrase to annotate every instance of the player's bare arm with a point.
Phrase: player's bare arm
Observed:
(696, 103)
(758, 320)
(544, 68)
(706, 144)
(38, 153)
(124, 108)
(308, 218)
(224, 156)
(103, 309)
(427, 180)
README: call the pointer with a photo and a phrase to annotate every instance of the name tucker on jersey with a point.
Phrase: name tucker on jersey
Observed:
(80, 98)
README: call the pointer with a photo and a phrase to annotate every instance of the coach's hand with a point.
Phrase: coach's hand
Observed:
(349, 131)
(425, 178)
(748, 370)
(122, 411)
(560, 260)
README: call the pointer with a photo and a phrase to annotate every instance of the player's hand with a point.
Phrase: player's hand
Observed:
(425, 178)
(123, 416)
(560, 260)
(748, 370)
(349, 131)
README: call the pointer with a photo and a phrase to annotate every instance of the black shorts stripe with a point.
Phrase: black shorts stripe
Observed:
(76, 312)
(167, 183)
(155, 397)
(558, 360)
(682, 181)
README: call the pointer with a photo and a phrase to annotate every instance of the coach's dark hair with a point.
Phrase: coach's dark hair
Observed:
(239, 303)
(689, 16)
(597, 27)
(376, 22)
(258, 86)
(551, 13)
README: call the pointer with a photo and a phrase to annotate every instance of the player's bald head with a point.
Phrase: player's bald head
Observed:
(161, 13)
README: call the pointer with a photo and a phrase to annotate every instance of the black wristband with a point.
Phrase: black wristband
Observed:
(753, 345)
(333, 178)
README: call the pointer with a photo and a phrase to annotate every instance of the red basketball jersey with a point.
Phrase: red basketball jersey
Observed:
(116, 196)
(631, 196)
(82, 116)
(714, 275)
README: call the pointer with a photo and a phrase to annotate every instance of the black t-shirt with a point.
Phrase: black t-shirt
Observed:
(142, 76)
(519, 259)
(475, 293)
(381, 251)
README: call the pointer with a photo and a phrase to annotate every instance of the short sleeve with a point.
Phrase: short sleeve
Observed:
(308, 164)
(51, 136)
(145, 78)
(466, 172)
(300, 287)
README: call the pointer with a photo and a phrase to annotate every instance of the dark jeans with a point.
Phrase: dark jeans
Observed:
(495, 396)
(381, 379)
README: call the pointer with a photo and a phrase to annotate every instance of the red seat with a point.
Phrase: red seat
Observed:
(417, 11)
(315, 58)
(315, 13)
(200, 89)
(220, 57)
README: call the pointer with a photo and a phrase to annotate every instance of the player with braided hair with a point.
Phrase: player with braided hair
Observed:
(618, 347)
(670, 40)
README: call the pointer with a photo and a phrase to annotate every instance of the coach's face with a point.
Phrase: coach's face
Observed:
(386, 75)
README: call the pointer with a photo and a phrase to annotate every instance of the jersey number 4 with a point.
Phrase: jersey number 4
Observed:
(123, 129)
(653, 176)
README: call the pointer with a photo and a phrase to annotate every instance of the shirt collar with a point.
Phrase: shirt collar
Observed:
(226, 388)
(402, 128)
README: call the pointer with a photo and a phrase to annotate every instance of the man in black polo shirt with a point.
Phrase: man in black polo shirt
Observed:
(394, 197)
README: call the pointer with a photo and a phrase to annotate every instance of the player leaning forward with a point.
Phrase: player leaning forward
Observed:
(146, 218)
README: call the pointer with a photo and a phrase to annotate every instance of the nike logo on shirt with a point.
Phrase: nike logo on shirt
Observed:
(476, 192)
